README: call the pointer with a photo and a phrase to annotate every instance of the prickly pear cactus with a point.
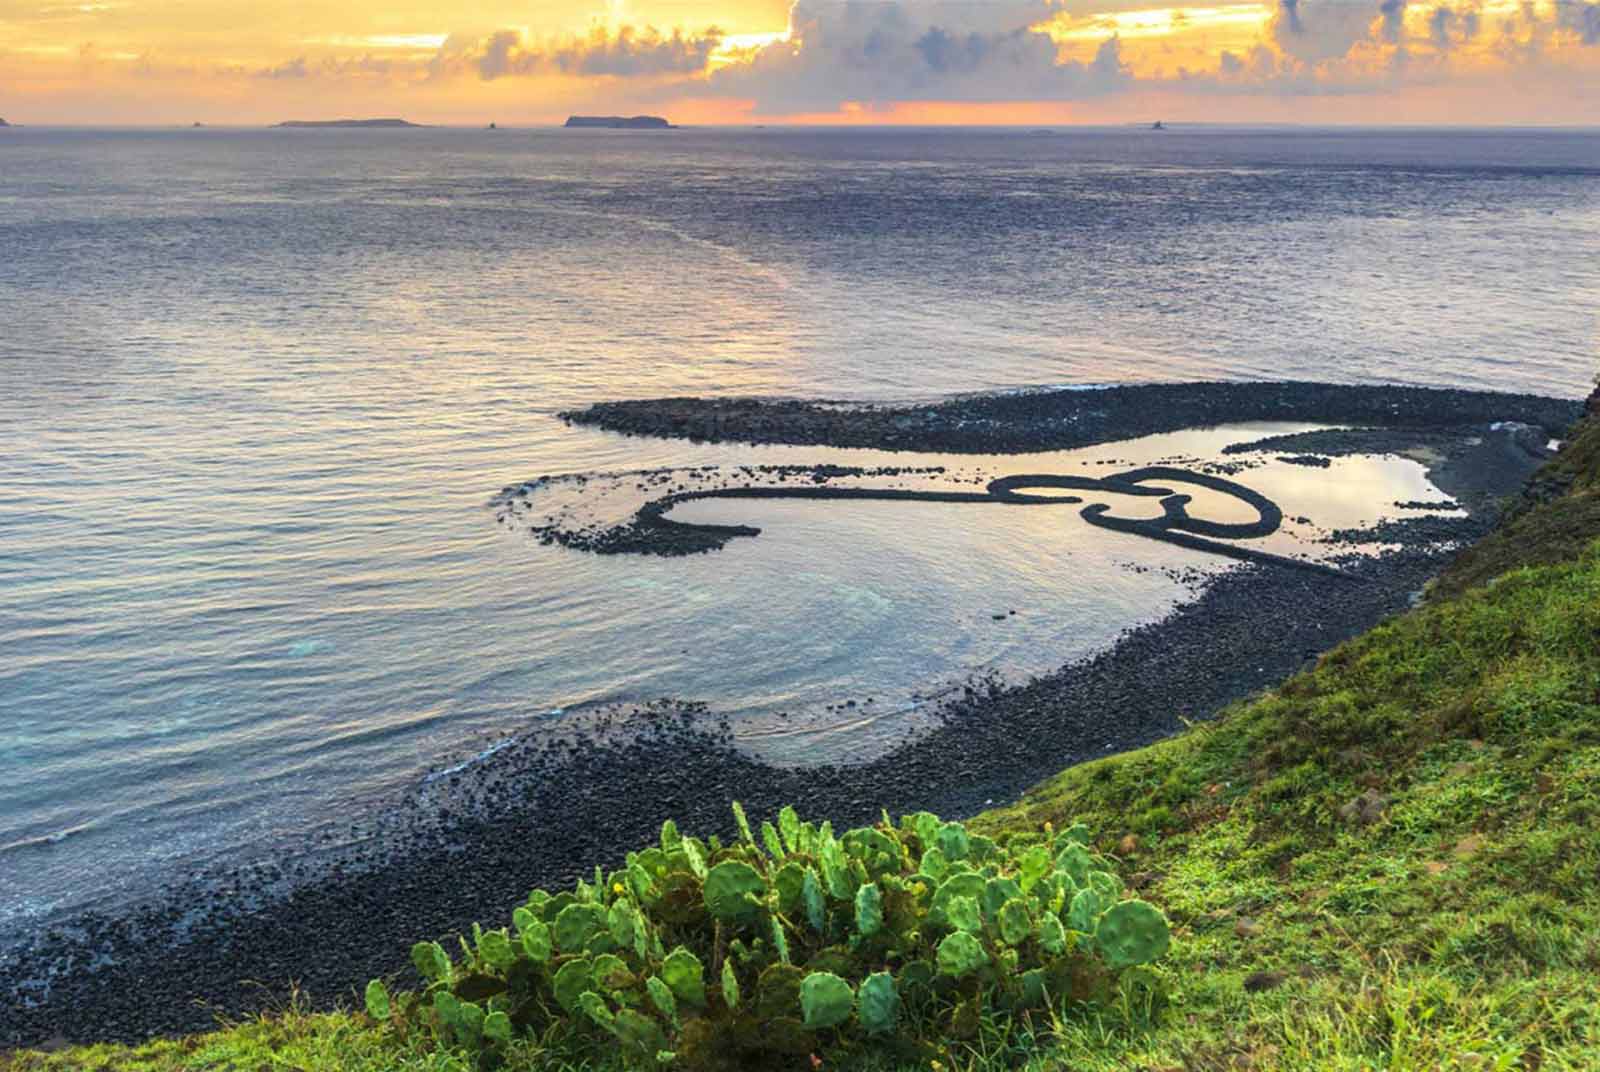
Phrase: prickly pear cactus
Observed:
(1015, 921)
(869, 910)
(1076, 860)
(744, 824)
(494, 948)
(792, 920)
(878, 1003)
(1132, 932)
(953, 841)
(576, 924)
(962, 913)
(733, 891)
(771, 842)
(825, 1000)
(597, 1009)
(570, 982)
(641, 1037)
(1052, 935)
(1032, 866)
(431, 961)
(662, 997)
(961, 954)
(816, 905)
(497, 1028)
(1085, 912)
(780, 940)
(683, 972)
(377, 1000)
(696, 859)
(536, 943)
(789, 827)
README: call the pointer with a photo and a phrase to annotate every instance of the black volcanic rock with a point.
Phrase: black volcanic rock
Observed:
(1067, 418)
(541, 807)
(619, 122)
(348, 123)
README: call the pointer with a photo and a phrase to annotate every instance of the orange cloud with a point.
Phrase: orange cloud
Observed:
(1015, 61)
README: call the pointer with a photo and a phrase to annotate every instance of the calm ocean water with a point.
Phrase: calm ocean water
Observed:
(257, 388)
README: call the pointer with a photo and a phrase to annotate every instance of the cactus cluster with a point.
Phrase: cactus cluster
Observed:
(785, 942)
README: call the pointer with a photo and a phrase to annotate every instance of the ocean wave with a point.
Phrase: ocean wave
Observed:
(44, 841)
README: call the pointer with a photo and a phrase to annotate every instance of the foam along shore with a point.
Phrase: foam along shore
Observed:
(545, 807)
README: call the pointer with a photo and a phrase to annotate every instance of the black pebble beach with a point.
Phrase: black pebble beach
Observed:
(544, 810)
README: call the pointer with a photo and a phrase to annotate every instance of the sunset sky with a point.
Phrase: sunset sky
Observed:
(738, 61)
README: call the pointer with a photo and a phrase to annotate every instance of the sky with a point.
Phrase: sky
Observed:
(1026, 62)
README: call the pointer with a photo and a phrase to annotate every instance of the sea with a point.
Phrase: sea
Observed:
(260, 388)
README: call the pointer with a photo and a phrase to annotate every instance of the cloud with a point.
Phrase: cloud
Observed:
(1581, 18)
(879, 53)
(628, 52)
(917, 50)
(295, 68)
(499, 57)
(1318, 30)
(1449, 27)
(299, 68)
(1393, 13)
(631, 54)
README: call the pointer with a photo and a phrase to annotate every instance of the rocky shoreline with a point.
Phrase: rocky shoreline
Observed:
(1066, 418)
(544, 810)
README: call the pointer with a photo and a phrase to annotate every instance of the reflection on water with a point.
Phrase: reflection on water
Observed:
(856, 614)
(258, 387)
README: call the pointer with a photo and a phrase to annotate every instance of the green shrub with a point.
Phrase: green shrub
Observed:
(882, 937)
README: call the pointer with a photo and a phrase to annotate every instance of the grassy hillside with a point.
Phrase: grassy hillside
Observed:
(1389, 862)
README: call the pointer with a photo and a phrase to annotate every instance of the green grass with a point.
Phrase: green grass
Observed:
(1554, 521)
(1457, 928)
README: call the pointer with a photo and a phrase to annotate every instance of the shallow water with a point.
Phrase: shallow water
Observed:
(258, 389)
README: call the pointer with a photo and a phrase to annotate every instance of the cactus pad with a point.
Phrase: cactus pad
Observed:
(825, 1000)
(878, 1003)
(377, 1000)
(1015, 921)
(961, 954)
(683, 972)
(869, 910)
(731, 889)
(1132, 932)
(431, 961)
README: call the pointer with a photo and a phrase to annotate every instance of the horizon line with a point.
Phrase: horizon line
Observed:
(1141, 124)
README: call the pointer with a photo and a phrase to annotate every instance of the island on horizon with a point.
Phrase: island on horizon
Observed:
(3, 123)
(620, 122)
(348, 123)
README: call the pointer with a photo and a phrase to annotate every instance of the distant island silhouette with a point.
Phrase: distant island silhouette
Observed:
(619, 122)
(3, 123)
(347, 123)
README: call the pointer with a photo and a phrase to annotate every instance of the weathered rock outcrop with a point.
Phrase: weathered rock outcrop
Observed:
(619, 122)
(348, 123)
